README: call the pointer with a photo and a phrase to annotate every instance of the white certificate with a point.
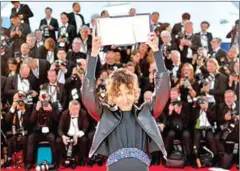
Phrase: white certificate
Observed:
(123, 30)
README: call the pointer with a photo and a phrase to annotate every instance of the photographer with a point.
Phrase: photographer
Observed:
(228, 120)
(217, 52)
(66, 32)
(204, 117)
(23, 82)
(18, 32)
(74, 83)
(86, 39)
(233, 79)
(176, 66)
(188, 42)
(19, 119)
(216, 83)
(74, 125)
(42, 119)
(75, 53)
(49, 25)
(12, 68)
(32, 43)
(177, 123)
(101, 85)
(56, 93)
(227, 63)
(48, 51)
(167, 46)
(187, 84)
(62, 66)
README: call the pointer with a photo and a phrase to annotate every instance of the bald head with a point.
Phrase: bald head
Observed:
(25, 49)
(24, 70)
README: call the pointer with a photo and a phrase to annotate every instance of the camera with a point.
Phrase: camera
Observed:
(102, 88)
(167, 49)
(44, 166)
(3, 42)
(209, 79)
(65, 41)
(70, 160)
(177, 102)
(180, 35)
(58, 64)
(17, 54)
(200, 101)
(186, 81)
(45, 31)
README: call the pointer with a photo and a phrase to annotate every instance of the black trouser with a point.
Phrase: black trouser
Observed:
(80, 148)
(33, 140)
(182, 135)
(209, 138)
(12, 144)
(220, 143)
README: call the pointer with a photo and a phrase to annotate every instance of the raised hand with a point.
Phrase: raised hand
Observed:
(153, 41)
(96, 44)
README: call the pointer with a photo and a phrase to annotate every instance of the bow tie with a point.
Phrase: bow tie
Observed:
(204, 34)
(63, 27)
(74, 117)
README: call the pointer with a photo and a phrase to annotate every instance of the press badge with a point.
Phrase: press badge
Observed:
(74, 94)
(45, 130)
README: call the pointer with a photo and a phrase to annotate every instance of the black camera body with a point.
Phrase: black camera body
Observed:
(167, 49)
(70, 160)
(45, 31)
(177, 102)
(180, 35)
(58, 64)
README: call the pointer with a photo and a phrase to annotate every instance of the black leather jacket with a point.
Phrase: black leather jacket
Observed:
(109, 118)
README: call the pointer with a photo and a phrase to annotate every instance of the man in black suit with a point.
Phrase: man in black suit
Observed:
(206, 37)
(22, 11)
(86, 44)
(75, 53)
(217, 52)
(39, 68)
(154, 20)
(66, 32)
(75, 18)
(179, 27)
(189, 43)
(93, 21)
(31, 41)
(22, 82)
(18, 32)
(234, 34)
(49, 25)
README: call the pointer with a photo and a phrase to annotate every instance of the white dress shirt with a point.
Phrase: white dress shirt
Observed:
(79, 22)
(52, 91)
(36, 70)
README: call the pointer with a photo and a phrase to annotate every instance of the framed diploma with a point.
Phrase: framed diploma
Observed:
(123, 30)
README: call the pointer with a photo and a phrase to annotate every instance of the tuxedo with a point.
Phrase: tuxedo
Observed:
(64, 127)
(196, 43)
(209, 39)
(53, 23)
(72, 21)
(11, 87)
(17, 41)
(43, 53)
(232, 34)
(88, 43)
(174, 75)
(24, 121)
(177, 28)
(37, 135)
(220, 53)
(25, 11)
(43, 66)
(71, 33)
(60, 96)
(73, 56)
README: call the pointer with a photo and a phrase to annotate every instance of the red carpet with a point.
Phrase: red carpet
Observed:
(96, 168)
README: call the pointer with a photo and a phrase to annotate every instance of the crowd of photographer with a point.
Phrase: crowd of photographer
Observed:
(41, 78)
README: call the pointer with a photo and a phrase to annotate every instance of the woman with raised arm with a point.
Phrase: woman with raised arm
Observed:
(126, 133)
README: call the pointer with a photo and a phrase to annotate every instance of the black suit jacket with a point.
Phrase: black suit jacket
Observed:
(64, 124)
(44, 66)
(53, 23)
(12, 86)
(196, 43)
(19, 40)
(89, 42)
(219, 54)
(61, 93)
(72, 21)
(176, 28)
(25, 11)
(43, 53)
(72, 56)
(34, 52)
(209, 38)
(71, 33)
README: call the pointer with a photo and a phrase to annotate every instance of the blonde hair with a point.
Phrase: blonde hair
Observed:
(116, 79)
(215, 62)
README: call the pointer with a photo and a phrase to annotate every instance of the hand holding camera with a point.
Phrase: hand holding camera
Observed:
(153, 41)
(50, 27)
(228, 116)
(170, 108)
(65, 140)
